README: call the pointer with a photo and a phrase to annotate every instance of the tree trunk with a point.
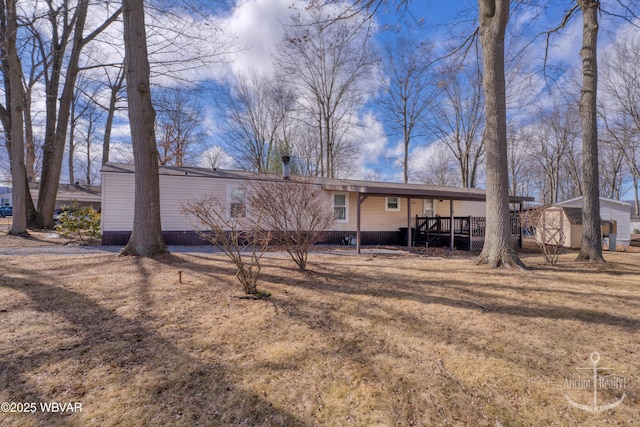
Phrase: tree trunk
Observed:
(55, 141)
(636, 201)
(29, 138)
(498, 247)
(72, 142)
(591, 248)
(106, 141)
(18, 172)
(146, 237)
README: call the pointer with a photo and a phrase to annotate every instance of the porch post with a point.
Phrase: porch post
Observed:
(358, 223)
(451, 236)
(470, 234)
(409, 237)
(520, 226)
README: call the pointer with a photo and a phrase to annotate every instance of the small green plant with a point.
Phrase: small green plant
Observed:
(83, 222)
(636, 231)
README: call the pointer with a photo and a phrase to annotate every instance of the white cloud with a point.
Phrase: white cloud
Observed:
(257, 26)
(216, 158)
(371, 141)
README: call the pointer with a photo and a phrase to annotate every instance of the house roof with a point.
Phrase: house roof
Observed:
(620, 202)
(67, 192)
(574, 215)
(333, 184)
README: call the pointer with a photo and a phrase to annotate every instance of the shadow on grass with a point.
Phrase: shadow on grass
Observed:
(339, 282)
(152, 381)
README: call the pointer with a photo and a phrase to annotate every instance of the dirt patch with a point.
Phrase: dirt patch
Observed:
(395, 339)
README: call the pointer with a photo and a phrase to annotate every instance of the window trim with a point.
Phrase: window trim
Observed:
(386, 204)
(346, 205)
(231, 189)
(433, 207)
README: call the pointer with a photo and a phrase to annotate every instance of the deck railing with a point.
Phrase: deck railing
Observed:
(462, 225)
(471, 228)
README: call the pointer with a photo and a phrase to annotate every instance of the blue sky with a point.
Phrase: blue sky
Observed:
(258, 24)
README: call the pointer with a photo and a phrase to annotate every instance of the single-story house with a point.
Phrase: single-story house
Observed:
(367, 212)
(85, 195)
(614, 211)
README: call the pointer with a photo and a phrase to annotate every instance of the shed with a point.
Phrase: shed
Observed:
(560, 225)
(610, 210)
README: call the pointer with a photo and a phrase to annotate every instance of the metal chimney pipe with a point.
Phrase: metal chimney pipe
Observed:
(285, 167)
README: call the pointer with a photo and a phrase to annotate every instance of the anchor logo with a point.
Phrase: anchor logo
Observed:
(595, 408)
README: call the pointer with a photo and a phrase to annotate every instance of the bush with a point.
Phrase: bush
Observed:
(295, 212)
(83, 222)
(238, 235)
(549, 234)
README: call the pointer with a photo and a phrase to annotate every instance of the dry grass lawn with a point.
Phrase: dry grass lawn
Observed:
(400, 339)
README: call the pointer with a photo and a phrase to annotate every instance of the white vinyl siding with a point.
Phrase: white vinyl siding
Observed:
(175, 191)
(460, 208)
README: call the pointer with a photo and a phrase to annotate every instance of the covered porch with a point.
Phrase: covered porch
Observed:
(466, 233)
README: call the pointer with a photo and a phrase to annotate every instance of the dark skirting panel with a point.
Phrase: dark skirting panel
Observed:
(191, 238)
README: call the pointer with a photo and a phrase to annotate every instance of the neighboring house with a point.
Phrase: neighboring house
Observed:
(85, 195)
(366, 212)
(635, 219)
(610, 210)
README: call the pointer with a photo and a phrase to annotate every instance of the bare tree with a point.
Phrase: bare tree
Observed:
(67, 25)
(178, 128)
(409, 91)
(620, 112)
(255, 111)
(458, 118)
(146, 237)
(216, 158)
(83, 123)
(552, 138)
(549, 226)
(591, 248)
(238, 235)
(16, 105)
(612, 170)
(329, 65)
(295, 212)
(439, 169)
(34, 76)
(520, 162)
(115, 85)
(88, 133)
(498, 247)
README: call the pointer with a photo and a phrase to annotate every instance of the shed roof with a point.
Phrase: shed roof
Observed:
(333, 184)
(605, 199)
(574, 215)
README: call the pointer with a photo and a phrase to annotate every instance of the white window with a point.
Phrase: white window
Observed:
(429, 208)
(392, 204)
(341, 206)
(237, 202)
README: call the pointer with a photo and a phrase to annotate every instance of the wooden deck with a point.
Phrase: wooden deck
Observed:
(468, 231)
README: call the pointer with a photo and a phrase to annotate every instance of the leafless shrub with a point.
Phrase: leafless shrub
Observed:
(239, 235)
(295, 212)
(549, 228)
